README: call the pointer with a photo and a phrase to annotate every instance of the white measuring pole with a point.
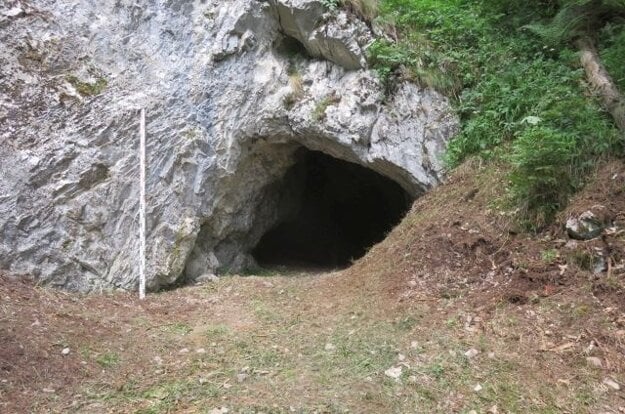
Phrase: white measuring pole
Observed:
(142, 205)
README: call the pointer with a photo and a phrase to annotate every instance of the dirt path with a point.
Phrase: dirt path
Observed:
(451, 314)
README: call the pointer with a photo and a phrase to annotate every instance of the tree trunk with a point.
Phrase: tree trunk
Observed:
(601, 82)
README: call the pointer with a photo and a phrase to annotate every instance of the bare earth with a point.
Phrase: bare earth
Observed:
(454, 312)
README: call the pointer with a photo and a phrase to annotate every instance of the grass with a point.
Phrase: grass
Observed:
(319, 111)
(108, 359)
(297, 90)
(177, 328)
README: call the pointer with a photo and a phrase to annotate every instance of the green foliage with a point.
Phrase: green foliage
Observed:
(612, 49)
(86, 88)
(108, 359)
(331, 5)
(577, 18)
(541, 179)
(549, 256)
(521, 100)
(319, 112)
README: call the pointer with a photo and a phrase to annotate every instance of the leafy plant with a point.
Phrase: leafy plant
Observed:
(549, 256)
(331, 5)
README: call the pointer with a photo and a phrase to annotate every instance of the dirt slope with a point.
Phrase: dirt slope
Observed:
(453, 312)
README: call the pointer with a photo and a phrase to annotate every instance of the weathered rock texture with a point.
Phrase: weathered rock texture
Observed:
(229, 96)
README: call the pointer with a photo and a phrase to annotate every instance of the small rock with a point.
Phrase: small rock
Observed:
(49, 390)
(414, 345)
(612, 384)
(491, 355)
(65, 351)
(585, 227)
(184, 351)
(206, 278)
(493, 410)
(13, 12)
(330, 347)
(477, 388)
(594, 361)
(221, 410)
(471, 353)
(200, 351)
(401, 357)
(394, 372)
(241, 377)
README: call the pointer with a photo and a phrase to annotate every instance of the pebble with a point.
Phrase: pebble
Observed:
(200, 351)
(394, 372)
(594, 361)
(612, 384)
(477, 388)
(65, 351)
(471, 353)
(221, 410)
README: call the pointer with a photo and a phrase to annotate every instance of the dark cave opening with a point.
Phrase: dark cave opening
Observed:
(335, 211)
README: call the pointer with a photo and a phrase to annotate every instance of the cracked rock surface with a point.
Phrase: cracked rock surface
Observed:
(231, 90)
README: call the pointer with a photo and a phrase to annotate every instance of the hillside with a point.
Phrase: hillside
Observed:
(453, 312)
(353, 206)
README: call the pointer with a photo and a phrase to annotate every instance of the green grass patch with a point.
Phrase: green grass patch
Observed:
(108, 359)
(177, 328)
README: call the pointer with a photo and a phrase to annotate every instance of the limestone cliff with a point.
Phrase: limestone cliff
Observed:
(231, 88)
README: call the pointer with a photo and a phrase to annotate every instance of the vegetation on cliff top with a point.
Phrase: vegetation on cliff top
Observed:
(517, 83)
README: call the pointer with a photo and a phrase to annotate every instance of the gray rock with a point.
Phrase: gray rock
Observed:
(585, 227)
(206, 278)
(214, 81)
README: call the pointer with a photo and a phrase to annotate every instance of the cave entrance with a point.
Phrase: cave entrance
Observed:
(331, 212)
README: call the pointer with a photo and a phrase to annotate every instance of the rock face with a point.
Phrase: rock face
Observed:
(231, 89)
